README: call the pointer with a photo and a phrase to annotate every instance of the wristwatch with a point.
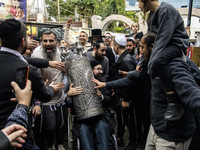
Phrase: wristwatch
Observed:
(28, 109)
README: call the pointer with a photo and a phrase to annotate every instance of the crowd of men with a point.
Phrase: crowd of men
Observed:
(47, 123)
(125, 84)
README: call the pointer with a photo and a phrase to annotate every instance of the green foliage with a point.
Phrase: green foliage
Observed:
(84, 7)
(108, 7)
(132, 15)
(118, 29)
(103, 8)
(88, 8)
(52, 8)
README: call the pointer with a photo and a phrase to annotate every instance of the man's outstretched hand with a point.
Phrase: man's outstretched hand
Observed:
(99, 84)
(123, 73)
(57, 64)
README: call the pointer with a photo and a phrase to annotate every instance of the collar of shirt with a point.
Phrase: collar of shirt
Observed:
(116, 55)
(5, 49)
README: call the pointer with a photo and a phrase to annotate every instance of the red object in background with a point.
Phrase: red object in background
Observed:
(13, 11)
(189, 52)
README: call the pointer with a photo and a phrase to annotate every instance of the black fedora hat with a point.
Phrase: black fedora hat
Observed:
(96, 33)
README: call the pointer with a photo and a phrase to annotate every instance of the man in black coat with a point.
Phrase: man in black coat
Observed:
(176, 134)
(124, 97)
(110, 54)
(44, 63)
(13, 41)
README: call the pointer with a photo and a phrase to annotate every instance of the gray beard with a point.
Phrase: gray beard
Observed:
(50, 55)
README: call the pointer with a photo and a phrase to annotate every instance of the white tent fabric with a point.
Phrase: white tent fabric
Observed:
(37, 6)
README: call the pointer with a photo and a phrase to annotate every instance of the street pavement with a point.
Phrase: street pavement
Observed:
(126, 135)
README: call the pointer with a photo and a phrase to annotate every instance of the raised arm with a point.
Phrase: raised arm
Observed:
(15, 129)
(66, 34)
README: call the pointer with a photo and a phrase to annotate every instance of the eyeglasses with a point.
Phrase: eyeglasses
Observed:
(107, 37)
(99, 69)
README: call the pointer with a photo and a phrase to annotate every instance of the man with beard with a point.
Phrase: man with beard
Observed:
(97, 124)
(130, 46)
(108, 39)
(83, 37)
(40, 63)
(185, 76)
(14, 40)
(98, 54)
(53, 111)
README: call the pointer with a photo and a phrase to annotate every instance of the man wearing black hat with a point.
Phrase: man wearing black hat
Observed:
(95, 124)
(96, 35)
(13, 41)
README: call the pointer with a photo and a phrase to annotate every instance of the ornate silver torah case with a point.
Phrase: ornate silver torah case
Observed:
(79, 73)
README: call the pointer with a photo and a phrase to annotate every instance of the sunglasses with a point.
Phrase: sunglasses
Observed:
(107, 37)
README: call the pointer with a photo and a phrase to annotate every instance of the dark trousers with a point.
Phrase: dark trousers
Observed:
(126, 117)
(102, 135)
(53, 123)
(37, 133)
(143, 121)
(160, 66)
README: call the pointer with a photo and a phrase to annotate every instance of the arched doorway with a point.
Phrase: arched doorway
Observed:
(110, 19)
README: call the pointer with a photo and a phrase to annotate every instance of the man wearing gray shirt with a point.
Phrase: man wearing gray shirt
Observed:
(98, 54)
(53, 111)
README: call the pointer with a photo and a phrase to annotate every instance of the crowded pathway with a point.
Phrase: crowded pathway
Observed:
(133, 92)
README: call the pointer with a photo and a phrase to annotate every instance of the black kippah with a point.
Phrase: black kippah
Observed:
(9, 28)
(94, 63)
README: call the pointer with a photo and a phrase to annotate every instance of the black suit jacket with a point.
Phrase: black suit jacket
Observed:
(125, 63)
(8, 66)
(112, 66)
(37, 62)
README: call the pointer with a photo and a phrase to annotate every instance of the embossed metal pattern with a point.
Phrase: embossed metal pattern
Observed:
(79, 72)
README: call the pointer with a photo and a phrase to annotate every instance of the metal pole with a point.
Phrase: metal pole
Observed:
(26, 12)
(58, 11)
(189, 17)
(31, 30)
(61, 33)
(189, 13)
(38, 6)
